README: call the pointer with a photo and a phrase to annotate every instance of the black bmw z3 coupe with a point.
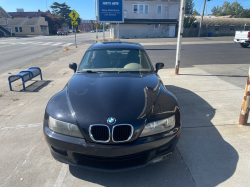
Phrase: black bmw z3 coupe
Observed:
(114, 113)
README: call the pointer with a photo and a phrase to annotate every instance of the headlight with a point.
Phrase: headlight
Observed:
(64, 128)
(158, 126)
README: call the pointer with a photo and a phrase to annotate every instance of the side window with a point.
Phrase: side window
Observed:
(216, 28)
(159, 9)
(141, 9)
(32, 29)
(135, 7)
(157, 26)
(16, 29)
(20, 29)
(146, 9)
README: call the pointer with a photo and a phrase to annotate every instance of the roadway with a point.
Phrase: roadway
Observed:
(18, 52)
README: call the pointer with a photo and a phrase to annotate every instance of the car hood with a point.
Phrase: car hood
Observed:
(96, 97)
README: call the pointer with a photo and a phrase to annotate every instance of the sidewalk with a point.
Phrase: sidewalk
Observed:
(212, 145)
(213, 149)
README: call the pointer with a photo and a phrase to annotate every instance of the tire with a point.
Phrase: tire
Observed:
(244, 45)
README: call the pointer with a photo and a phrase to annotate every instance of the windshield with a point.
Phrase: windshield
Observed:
(116, 60)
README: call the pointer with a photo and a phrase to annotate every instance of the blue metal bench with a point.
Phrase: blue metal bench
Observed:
(27, 75)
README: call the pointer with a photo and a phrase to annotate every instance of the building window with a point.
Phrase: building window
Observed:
(246, 28)
(159, 7)
(20, 29)
(32, 29)
(135, 8)
(217, 28)
(141, 9)
(16, 29)
(146, 9)
(232, 28)
(157, 26)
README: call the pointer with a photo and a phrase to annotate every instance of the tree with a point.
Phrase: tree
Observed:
(189, 7)
(189, 21)
(63, 11)
(195, 12)
(235, 9)
(246, 13)
(54, 23)
(215, 10)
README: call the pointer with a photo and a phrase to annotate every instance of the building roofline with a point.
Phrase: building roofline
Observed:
(7, 15)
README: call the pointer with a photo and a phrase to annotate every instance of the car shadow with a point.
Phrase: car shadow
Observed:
(202, 156)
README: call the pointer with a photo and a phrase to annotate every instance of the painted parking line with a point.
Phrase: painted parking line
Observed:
(57, 43)
(48, 43)
(68, 44)
(5, 45)
(61, 176)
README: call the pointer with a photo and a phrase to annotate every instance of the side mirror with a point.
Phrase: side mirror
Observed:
(73, 66)
(158, 65)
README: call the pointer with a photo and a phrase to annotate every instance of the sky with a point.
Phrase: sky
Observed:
(86, 8)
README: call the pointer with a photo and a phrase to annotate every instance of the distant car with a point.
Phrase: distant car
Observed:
(62, 32)
(66, 30)
(114, 113)
(92, 31)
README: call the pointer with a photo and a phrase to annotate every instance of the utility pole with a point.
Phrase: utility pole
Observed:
(96, 22)
(103, 33)
(75, 36)
(118, 32)
(180, 33)
(200, 29)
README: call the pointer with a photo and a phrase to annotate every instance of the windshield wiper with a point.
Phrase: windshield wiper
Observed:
(89, 71)
(128, 71)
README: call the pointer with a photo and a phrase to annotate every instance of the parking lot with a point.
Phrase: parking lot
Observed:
(213, 149)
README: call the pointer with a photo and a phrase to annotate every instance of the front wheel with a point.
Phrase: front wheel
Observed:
(244, 45)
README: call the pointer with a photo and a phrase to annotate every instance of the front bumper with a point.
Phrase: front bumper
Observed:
(105, 157)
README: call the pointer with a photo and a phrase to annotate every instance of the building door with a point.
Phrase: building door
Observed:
(44, 30)
(171, 31)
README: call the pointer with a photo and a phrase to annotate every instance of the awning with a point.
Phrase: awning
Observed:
(44, 26)
(150, 21)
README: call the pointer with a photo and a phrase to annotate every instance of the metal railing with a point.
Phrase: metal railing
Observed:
(5, 31)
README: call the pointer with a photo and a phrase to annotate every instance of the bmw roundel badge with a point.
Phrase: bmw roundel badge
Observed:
(111, 120)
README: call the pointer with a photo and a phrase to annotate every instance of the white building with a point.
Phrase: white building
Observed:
(148, 19)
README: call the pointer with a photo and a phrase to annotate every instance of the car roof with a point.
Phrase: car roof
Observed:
(116, 45)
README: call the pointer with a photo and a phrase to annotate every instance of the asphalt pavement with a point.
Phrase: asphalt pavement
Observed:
(18, 52)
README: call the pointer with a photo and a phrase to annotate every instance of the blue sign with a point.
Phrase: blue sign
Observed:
(110, 11)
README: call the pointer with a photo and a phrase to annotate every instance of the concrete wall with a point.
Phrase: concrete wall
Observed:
(142, 30)
(223, 30)
(170, 10)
